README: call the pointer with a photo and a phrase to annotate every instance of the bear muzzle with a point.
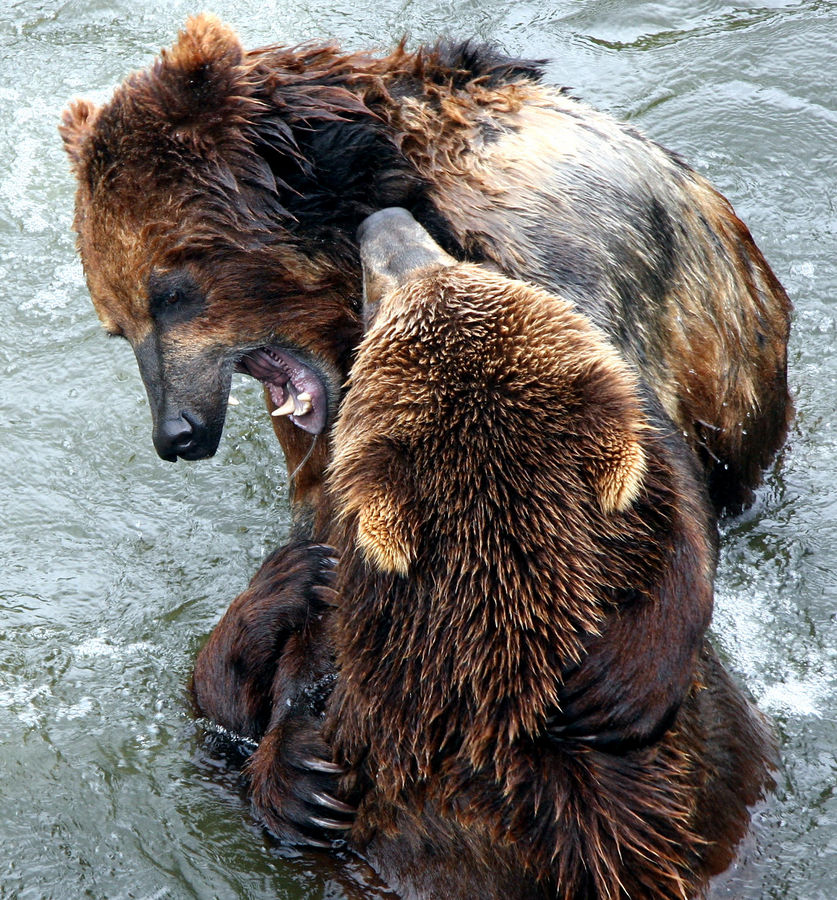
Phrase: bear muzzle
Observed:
(188, 398)
(184, 436)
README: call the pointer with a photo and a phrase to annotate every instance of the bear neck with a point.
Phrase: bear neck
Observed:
(377, 133)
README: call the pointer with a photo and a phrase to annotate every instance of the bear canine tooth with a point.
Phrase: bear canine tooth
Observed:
(233, 401)
(302, 404)
(286, 409)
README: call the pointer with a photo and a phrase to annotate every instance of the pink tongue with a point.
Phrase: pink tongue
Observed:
(302, 380)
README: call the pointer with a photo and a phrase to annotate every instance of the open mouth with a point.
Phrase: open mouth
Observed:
(295, 388)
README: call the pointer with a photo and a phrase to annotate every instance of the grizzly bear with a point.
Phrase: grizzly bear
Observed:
(219, 193)
(524, 678)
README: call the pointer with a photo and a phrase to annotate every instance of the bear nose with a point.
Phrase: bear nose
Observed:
(177, 436)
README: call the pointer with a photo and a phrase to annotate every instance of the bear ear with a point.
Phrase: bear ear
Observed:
(204, 42)
(199, 83)
(394, 250)
(76, 127)
(383, 534)
(619, 470)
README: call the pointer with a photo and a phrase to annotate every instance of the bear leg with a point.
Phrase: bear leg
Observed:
(264, 675)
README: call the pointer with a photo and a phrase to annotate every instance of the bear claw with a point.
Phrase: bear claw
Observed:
(316, 843)
(314, 764)
(325, 593)
(331, 824)
(330, 802)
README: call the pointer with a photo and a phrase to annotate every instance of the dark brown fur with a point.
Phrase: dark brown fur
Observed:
(218, 196)
(266, 673)
(493, 573)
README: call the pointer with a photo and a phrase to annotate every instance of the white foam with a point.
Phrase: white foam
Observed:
(76, 710)
(58, 294)
(801, 697)
(744, 627)
(25, 702)
(103, 647)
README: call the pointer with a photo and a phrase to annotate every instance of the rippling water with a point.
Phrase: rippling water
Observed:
(115, 565)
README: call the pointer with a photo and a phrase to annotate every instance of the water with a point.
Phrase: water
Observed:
(116, 565)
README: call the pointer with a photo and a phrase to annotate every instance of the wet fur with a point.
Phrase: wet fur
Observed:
(252, 171)
(528, 688)
(246, 174)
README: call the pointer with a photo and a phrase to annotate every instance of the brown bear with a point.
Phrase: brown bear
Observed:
(219, 192)
(526, 700)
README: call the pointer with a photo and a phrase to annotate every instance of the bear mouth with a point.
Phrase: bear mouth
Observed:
(296, 389)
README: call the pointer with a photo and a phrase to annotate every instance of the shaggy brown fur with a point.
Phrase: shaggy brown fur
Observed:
(249, 173)
(218, 196)
(524, 527)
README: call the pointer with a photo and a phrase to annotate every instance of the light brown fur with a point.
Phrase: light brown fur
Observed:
(527, 503)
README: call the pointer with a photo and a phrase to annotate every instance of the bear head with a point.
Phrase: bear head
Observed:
(213, 238)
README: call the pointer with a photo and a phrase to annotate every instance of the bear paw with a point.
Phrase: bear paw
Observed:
(295, 787)
(270, 647)
(265, 676)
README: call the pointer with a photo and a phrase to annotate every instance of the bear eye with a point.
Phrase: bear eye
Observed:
(174, 296)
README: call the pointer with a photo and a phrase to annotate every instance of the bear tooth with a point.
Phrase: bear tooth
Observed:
(304, 397)
(286, 409)
(233, 401)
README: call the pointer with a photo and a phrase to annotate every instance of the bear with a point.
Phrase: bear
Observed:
(218, 196)
(526, 702)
